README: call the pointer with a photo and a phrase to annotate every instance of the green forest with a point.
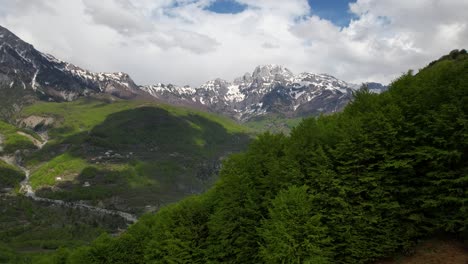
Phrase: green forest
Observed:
(352, 187)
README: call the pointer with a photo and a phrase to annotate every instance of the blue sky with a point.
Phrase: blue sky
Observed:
(333, 10)
(336, 11)
(226, 7)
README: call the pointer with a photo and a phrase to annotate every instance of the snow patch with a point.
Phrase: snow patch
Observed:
(234, 94)
(298, 95)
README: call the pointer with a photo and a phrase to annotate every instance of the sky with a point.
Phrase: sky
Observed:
(193, 41)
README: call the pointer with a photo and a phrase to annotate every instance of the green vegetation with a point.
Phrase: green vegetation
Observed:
(31, 231)
(82, 115)
(348, 188)
(10, 176)
(64, 165)
(14, 98)
(129, 155)
(274, 124)
(13, 141)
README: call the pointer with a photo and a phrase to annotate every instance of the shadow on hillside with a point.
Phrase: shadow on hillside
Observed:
(155, 127)
(145, 154)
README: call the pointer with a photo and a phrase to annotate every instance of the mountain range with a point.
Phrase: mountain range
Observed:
(27, 74)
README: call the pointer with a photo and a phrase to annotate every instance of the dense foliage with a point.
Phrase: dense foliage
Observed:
(347, 188)
(10, 177)
(30, 230)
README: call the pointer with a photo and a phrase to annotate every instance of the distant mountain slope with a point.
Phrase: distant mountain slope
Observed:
(27, 75)
(133, 156)
(270, 89)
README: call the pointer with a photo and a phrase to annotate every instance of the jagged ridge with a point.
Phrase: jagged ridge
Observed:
(268, 89)
(52, 79)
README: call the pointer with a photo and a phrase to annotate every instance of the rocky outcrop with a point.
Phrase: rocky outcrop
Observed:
(36, 122)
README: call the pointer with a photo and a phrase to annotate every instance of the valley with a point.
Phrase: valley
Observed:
(95, 144)
(27, 190)
(272, 167)
(93, 157)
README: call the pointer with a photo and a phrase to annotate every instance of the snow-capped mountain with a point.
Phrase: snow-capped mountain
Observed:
(376, 87)
(27, 75)
(269, 89)
(21, 65)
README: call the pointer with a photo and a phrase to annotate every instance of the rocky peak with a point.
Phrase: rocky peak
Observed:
(215, 84)
(271, 72)
(52, 79)
(246, 78)
(7, 38)
(269, 89)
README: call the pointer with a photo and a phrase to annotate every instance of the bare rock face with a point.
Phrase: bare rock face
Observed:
(269, 89)
(35, 122)
(27, 74)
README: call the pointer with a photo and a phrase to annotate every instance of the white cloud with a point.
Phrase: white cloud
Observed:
(181, 42)
(122, 16)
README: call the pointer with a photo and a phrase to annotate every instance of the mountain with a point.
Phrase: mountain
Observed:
(375, 87)
(269, 89)
(27, 74)
(357, 186)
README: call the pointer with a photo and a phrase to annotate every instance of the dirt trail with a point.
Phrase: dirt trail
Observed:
(34, 140)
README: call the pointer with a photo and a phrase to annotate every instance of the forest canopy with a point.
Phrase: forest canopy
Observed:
(351, 187)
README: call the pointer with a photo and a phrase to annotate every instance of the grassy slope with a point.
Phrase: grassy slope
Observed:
(159, 153)
(13, 141)
(274, 124)
(84, 114)
(10, 177)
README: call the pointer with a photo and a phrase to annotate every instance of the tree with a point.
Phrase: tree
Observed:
(294, 233)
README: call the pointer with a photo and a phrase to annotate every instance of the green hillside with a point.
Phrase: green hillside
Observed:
(11, 139)
(129, 155)
(273, 124)
(30, 230)
(156, 154)
(10, 176)
(353, 187)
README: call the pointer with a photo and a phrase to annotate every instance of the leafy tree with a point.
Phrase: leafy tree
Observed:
(294, 233)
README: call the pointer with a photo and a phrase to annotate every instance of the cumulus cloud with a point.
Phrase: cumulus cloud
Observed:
(180, 41)
(122, 16)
